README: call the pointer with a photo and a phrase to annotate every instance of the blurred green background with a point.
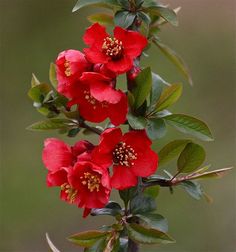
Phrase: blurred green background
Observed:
(33, 32)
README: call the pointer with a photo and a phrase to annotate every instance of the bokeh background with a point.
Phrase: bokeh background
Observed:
(33, 32)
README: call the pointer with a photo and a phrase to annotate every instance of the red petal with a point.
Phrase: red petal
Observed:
(120, 66)
(123, 178)
(95, 35)
(145, 164)
(133, 42)
(56, 154)
(95, 55)
(86, 212)
(57, 178)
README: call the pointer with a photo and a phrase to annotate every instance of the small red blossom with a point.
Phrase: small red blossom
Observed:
(130, 154)
(59, 158)
(98, 100)
(92, 184)
(70, 65)
(115, 52)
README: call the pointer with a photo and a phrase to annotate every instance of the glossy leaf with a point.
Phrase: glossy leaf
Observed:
(191, 158)
(176, 60)
(101, 18)
(143, 87)
(51, 245)
(136, 122)
(112, 208)
(171, 150)
(38, 93)
(152, 191)
(51, 124)
(144, 235)
(97, 3)
(52, 75)
(169, 96)
(87, 238)
(124, 19)
(142, 204)
(155, 221)
(156, 128)
(190, 125)
(193, 189)
(73, 132)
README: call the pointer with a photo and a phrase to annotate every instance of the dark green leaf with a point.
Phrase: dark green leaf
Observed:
(37, 93)
(144, 18)
(152, 191)
(97, 3)
(191, 158)
(52, 75)
(155, 221)
(87, 238)
(166, 13)
(144, 235)
(127, 194)
(142, 204)
(137, 123)
(190, 125)
(51, 124)
(176, 60)
(99, 246)
(112, 208)
(51, 245)
(193, 189)
(143, 87)
(156, 128)
(171, 150)
(124, 18)
(124, 3)
(169, 96)
(101, 18)
(34, 81)
(73, 132)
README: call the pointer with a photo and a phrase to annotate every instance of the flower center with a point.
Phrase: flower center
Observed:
(71, 192)
(124, 154)
(91, 181)
(112, 47)
(67, 68)
(90, 99)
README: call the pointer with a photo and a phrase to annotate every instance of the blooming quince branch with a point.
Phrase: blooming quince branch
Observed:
(85, 89)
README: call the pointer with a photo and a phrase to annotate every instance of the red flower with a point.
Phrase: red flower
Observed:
(91, 183)
(130, 155)
(59, 158)
(116, 53)
(98, 100)
(70, 65)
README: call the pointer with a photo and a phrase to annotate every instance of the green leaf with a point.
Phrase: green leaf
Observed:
(166, 13)
(191, 158)
(211, 174)
(99, 246)
(137, 123)
(127, 194)
(73, 132)
(152, 191)
(52, 75)
(38, 93)
(155, 221)
(176, 60)
(169, 96)
(124, 18)
(157, 86)
(52, 124)
(156, 128)
(97, 3)
(87, 238)
(143, 87)
(34, 81)
(171, 150)
(101, 18)
(144, 235)
(112, 208)
(51, 245)
(142, 204)
(190, 125)
(193, 189)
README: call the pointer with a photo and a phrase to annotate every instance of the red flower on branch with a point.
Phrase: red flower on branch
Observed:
(115, 52)
(92, 183)
(130, 154)
(70, 65)
(98, 100)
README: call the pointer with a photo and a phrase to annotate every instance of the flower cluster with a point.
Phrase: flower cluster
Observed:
(86, 173)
